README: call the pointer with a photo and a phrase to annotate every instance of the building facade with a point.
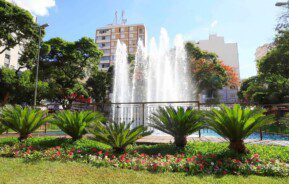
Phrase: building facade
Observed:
(228, 53)
(107, 37)
(9, 58)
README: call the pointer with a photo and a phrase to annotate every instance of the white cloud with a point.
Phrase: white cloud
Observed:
(36, 7)
(214, 24)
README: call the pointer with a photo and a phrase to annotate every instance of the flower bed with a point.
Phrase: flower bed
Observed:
(196, 164)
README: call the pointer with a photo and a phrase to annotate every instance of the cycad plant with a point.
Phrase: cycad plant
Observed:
(177, 122)
(118, 135)
(23, 120)
(75, 123)
(235, 124)
(2, 128)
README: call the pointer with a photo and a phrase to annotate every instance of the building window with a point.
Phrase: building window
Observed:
(131, 28)
(7, 60)
(113, 36)
(104, 58)
(112, 57)
(131, 35)
(122, 29)
(113, 30)
(112, 43)
(105, 65)
(140, 31)
(131, 50)
(103, 37)
(122, 36)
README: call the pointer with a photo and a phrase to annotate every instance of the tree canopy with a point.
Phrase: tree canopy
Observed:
(210, 74)
(66, 67)
(271, 85)
(16, 26)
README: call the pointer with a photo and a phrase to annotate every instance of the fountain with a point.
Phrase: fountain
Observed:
(158, 74)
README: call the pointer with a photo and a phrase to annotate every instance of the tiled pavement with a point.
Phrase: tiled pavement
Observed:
(168, 139)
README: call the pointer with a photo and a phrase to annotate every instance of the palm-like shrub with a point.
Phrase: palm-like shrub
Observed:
(118, 135)
(75, 123)
(235, 124)
(23, 120)
(2, 128)
(177, 122)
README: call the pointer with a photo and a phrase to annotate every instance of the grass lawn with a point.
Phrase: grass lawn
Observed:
(16, 171)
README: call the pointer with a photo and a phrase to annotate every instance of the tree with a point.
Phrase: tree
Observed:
(271, 85)
(66, 67)
(283, 22)
(19, 88)
(16, 26)
(98, 87)
(276, 61)
(209, 73)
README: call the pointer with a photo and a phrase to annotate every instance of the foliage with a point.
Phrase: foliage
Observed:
(75, 123)
(16, 26)
(265, 89)
(177, 122)
(209, 73)
(235, 124)
(66, 66)
(283, 23)
(12, 83)
(118, 135)
(192, 165)
(98, 86)
(271, 85)
(275, 62)
(23, 120)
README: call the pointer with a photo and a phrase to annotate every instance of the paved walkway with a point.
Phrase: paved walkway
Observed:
(153, 139)
(156, 139)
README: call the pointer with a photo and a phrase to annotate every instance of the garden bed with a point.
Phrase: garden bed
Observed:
(196, 158)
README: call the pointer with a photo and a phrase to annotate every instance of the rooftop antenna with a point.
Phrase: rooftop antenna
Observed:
(115, 18)
(123, 20)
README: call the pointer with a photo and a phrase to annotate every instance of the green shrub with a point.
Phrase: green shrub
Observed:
(75, 123)
(23, 120)
(235, 124)
(178, 123)
(118, 135)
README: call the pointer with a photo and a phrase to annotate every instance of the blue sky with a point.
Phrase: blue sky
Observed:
(250, 23)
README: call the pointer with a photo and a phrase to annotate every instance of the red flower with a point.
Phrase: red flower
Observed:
(256, 155)
(178, 160)
(122, 158)
(127, 161)
(79, 151)
(70, 153)
(224, 172)
(57, 147)
(99, 153)
(112, 156)
(106, 154)
(94, 149)
(201, 167)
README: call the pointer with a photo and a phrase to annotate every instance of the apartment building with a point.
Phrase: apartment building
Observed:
(9, 58)
(228, 53)
(107, 37)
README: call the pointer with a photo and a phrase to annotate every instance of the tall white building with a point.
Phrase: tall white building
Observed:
(9, 58)
(228, 53)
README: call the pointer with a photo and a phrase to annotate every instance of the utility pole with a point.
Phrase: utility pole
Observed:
(37, 62)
